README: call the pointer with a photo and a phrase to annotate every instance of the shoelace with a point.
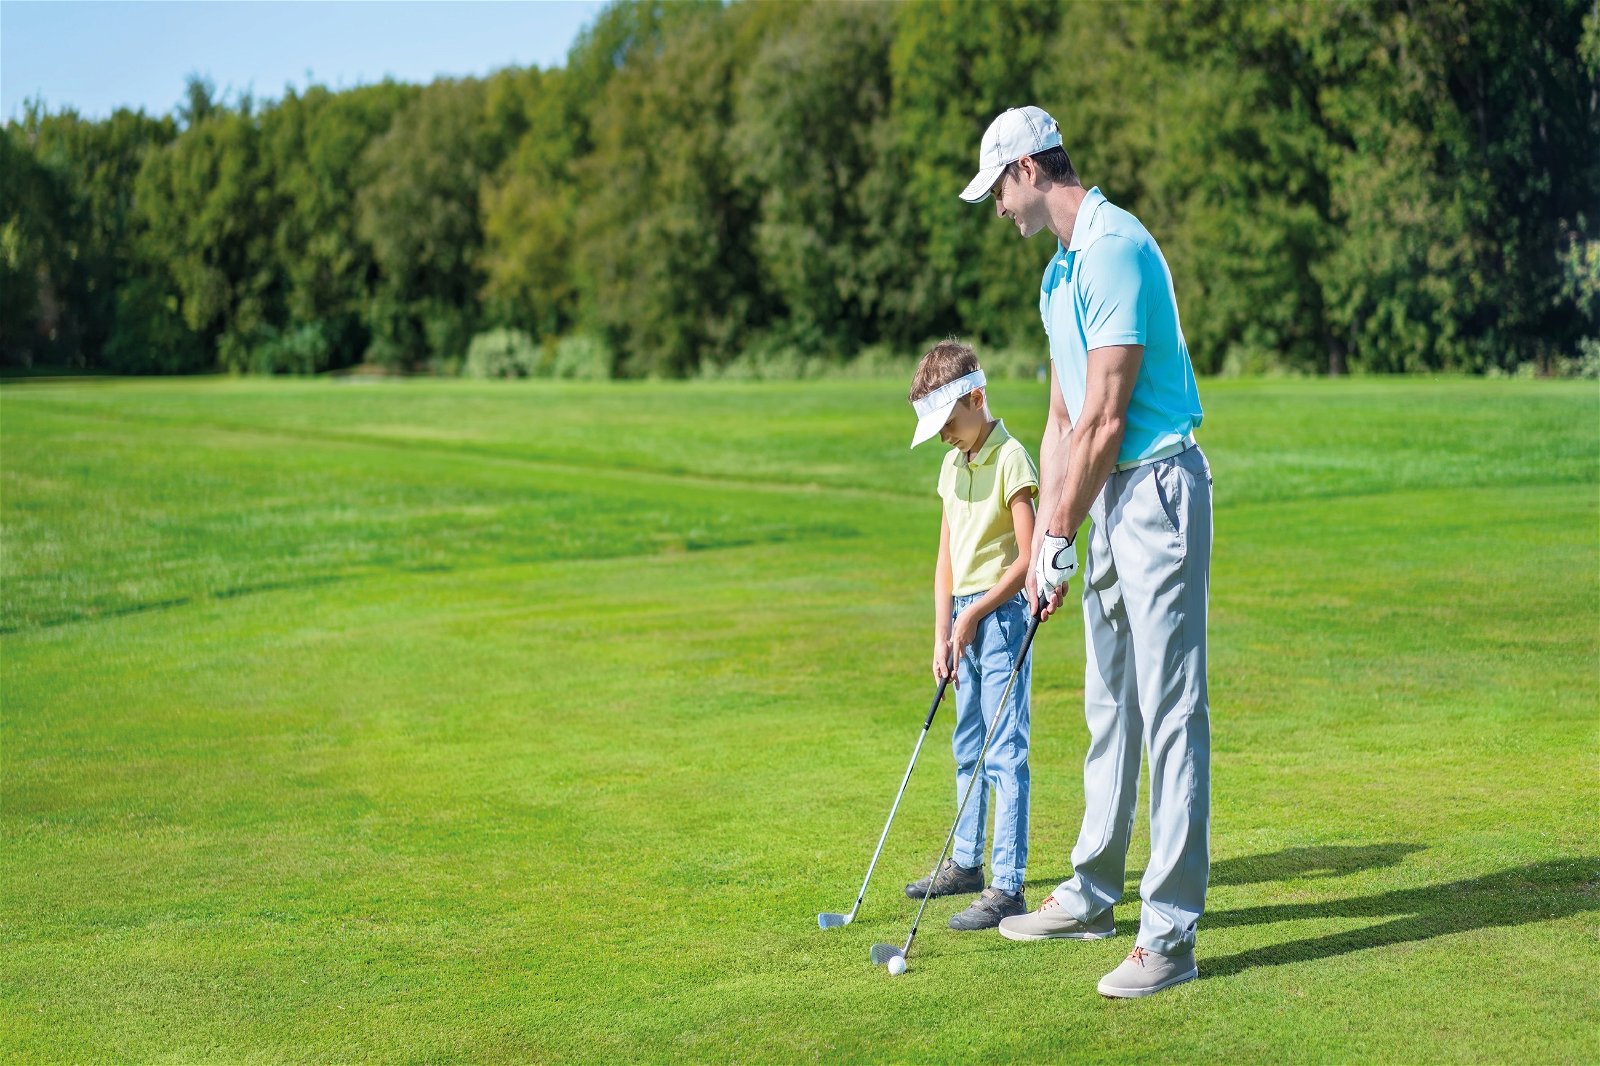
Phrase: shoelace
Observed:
(1049, 901)
(1137, 955)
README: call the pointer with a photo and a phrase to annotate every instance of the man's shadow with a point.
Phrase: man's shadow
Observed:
(1330, 860)
(1538, 892)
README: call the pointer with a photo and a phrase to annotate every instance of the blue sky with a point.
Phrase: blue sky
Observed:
(97, 56)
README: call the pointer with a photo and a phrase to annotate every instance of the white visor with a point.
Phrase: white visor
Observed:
(933, 410)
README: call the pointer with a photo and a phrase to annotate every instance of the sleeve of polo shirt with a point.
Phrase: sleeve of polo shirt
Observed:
(1017, 472)
(946, 482)
(1112, 287)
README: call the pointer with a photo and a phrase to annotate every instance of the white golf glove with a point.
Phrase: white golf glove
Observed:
(1057, 562)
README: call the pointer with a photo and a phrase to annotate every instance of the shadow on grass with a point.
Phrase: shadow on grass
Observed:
(1538, 892)
(1286, 865)
(1328, 861)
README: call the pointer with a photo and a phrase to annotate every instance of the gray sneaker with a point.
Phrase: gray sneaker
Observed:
(987, 910)
(1145, 972)
(952, 880)
(1051, 921)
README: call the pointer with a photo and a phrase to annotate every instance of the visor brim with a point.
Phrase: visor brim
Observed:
(929, 425)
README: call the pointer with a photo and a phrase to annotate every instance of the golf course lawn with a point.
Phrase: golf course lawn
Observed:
(449, 721)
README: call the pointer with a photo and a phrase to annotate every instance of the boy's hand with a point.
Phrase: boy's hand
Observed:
(943, 666)
(961, 634)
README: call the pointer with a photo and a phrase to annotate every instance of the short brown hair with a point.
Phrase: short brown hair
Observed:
(1056, 165)
(942, 364)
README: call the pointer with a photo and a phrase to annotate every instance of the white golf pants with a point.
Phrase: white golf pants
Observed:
(1146, 584)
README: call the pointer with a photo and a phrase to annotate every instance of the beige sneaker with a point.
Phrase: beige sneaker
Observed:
(1051, 921)
(1144, 972)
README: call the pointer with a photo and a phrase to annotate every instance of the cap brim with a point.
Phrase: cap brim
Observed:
(929, 425)
(977, 191)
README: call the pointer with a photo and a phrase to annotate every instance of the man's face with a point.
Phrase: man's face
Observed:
(1015, 198)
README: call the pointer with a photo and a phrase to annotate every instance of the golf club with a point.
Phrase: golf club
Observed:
(829, 920)
(885, 954)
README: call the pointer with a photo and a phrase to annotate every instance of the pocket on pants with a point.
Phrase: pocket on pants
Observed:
(1168, 482)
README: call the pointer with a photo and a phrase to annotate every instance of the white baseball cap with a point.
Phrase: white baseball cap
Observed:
(1018, 132)
(933, 410)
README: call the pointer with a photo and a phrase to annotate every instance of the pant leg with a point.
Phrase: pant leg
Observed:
(1006, 765)
(965, 743)
(1111, 710)
(1162, 542)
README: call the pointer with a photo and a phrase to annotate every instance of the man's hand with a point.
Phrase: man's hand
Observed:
(1056, 562)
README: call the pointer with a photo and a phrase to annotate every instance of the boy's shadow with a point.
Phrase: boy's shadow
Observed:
(1541, 891)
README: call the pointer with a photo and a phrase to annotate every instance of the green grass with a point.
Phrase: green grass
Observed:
(443, 721)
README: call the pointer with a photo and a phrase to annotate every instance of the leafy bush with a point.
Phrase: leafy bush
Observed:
(504, 353)
(1018, 363)
(584, 356)
(881, 361)
(303, 350)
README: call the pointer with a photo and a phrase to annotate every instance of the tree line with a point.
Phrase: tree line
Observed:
(1365, 186)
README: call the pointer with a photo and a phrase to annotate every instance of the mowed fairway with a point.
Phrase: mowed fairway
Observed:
(465, 722)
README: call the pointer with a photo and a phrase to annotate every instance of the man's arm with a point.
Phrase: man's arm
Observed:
(1093, 441)
(1053, 455)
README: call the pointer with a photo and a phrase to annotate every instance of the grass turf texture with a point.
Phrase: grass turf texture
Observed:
(446, 721)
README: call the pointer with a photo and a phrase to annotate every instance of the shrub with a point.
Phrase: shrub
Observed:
(504, 353)
(881, 361)
(584, 356)
(302, 350)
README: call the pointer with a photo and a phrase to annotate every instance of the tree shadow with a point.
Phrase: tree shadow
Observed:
(1538, 892)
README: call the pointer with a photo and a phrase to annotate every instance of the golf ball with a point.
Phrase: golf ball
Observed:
(897, 965)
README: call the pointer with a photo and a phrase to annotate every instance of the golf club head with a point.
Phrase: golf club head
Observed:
(882, 953)
(829, 920)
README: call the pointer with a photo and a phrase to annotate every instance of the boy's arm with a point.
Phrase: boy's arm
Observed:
(942, 583)
(1011, 582)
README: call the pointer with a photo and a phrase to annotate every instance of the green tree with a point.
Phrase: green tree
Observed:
(33, 258)
(528, 207)
(418, 210)
(207, 210)
(312, 145)
(810, 112)
(664, 248)
(96, 164)
(955, 65)
(533, 272)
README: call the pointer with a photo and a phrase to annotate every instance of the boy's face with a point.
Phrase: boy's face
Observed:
(966, 423)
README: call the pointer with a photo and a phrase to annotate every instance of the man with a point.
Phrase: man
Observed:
(1119, 448)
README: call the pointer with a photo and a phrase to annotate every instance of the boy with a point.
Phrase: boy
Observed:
(988, 483)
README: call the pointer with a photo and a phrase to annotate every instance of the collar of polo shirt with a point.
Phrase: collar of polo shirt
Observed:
(991, 444)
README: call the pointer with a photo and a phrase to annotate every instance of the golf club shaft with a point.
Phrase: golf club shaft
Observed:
(977, 773)
(937, 696)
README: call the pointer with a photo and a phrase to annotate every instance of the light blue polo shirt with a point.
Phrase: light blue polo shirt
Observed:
(1110, 285)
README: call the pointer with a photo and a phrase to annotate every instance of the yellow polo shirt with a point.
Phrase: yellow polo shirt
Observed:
(976, 495)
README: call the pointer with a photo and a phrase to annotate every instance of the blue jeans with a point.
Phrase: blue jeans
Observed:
(983, 671)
